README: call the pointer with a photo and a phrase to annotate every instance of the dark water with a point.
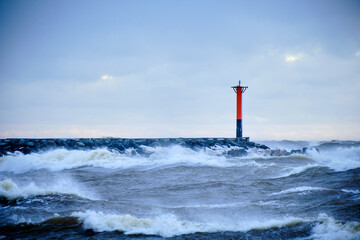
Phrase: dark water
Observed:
(176, 192)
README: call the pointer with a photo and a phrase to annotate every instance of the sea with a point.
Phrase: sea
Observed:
(178, 192)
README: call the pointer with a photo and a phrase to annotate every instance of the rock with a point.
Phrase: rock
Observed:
(70, 143)
(50, 144)
(195, 143)
(126, 143)
(95, 143)
(88, 143)
(141, 141)
(133, 144)
(155, 144)
(180, 141)
(284, 153)
(117, 146)
(79, 144)
(62, 143)
(6, 147)
(25, 150)
(140, 151)
(295, 152)
(263, 146)
(275, 152)
(237, 152)
(226, 142)
(305, 150)
(22, 142)
(235, 143)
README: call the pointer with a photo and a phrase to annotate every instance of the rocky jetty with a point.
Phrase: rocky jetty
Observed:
(27, 145)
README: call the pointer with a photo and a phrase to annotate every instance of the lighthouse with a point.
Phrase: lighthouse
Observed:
(239, 90)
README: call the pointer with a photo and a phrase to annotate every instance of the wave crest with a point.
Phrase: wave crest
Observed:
(301, 190)
(330, 229)
(339, 159)
(10, 190)
(169, 225)
(60, 159)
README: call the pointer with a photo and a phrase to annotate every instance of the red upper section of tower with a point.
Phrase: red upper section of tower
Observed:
(239, 103)
(239, 91)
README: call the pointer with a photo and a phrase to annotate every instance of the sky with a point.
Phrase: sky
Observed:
(148, 69)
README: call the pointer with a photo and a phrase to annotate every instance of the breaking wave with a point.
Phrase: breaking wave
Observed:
(323, 227)
(10, 190)
(329, 229)
(337, 159)
(169, 225)
(60, 159)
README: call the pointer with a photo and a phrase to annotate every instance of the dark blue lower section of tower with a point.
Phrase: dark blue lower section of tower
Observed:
(238, 128)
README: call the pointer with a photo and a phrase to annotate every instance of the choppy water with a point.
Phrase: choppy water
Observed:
(180, 193)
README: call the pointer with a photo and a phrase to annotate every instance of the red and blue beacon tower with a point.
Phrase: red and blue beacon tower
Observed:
(239, 90)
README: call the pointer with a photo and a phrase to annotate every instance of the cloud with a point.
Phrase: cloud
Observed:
(106, 77)
(293, 57)
(290, 58)
(104, 81)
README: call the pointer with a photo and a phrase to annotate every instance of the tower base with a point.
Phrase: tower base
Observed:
(242, 139)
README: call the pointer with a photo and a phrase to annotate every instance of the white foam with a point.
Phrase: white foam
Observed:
(330, 229)
(60, 159)
(302, 189)
(179, 155)
(338, 159)
(351, 191)
(169, 225)
(11, 190)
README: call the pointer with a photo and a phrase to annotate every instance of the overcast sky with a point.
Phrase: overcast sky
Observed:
(165, 68)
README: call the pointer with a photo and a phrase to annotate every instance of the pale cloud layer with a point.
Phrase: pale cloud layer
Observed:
(164, 73)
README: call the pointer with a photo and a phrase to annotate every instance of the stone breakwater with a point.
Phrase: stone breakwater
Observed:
(27, 145)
